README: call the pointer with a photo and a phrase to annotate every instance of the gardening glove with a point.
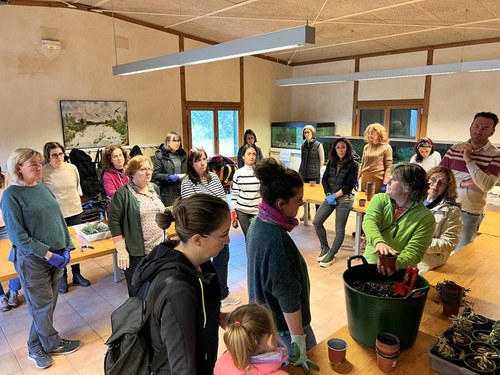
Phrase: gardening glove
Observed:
(122, 255)
(234, 219)
(299, 357)
(67, 256)
(332, 199)
(356, 186)
(383, 188)
(173, 177)
(57, 261)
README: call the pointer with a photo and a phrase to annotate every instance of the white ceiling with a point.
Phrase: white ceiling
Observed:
(343, 27)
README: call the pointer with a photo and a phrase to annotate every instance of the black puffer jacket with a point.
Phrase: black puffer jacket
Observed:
(344, 178)
(163, 168)
(186, 315)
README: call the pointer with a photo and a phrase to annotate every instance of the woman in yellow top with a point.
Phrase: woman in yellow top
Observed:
(376, 162)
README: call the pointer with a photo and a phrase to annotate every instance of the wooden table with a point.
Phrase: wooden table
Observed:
(101, 248)
(361, 359)
(315, 194)
(490, 224)
(474, 267)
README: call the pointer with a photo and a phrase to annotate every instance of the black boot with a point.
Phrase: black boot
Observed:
(63, 287)
(77, 276)
(80, 280)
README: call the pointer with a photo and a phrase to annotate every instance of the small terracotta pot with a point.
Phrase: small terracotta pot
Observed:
(388, 262)
(449, 309)
(452, 294)
(387, 344)
(312, 183)
(370, 190)
(337, 349)
(362, 202)
(387, 363)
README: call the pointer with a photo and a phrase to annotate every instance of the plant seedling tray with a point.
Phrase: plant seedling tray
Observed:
(92, 237)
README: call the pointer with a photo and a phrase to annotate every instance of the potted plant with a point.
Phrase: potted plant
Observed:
(480, 363)
(490, 337)
(452, 296)
(458, 338)
(462, 323)
(447, 350)
(483, 348)
(476, 319)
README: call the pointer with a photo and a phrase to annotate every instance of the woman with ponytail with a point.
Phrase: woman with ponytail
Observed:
(186, 316)
(277, 272)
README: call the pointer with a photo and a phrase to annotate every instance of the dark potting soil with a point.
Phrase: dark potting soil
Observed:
(378, 289)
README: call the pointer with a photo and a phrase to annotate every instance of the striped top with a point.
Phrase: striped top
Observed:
(245, 191)
(214, 187)
(484, 171)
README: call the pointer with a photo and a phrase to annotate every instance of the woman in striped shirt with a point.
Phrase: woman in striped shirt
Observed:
(200, 180)
(245, 190)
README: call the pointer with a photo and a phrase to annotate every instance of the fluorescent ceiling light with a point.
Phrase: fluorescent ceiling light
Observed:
(472, 66)
(276, 41)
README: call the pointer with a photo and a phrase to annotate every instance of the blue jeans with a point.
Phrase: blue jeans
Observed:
(221, 262)
(342, 211)
(471, 226)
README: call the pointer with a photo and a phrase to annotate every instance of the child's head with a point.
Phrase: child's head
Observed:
(250, 331)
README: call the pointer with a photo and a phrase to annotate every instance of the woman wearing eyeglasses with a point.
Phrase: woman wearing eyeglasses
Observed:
(441, 200)
(169, 165)
(63, 180)
(187, 315)
(200, 180)
(397, 222)
(425, 154)
(132, 217)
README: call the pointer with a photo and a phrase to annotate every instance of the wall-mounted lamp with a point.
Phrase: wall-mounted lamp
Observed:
(51, 44)
(416, 71)
(276, 41)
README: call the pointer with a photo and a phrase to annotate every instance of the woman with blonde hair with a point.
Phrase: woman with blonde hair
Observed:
(132, 217)
(41, 247)
(376, 162)
(252, 344)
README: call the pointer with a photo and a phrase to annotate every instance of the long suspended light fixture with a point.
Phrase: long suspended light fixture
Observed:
(275, 41)
(472, 66)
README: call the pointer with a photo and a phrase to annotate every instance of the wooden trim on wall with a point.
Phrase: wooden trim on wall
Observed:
(355, 93)
(427, 97)
(241, 117)
(186, 129)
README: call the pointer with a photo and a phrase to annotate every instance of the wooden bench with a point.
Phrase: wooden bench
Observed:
(101, 248)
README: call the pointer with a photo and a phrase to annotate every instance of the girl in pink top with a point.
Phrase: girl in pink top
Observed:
(252, 345)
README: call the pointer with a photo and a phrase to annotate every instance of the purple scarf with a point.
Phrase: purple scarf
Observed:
(269, 213)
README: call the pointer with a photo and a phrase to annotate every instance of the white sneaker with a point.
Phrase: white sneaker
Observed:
(230, 300)
(328, 260)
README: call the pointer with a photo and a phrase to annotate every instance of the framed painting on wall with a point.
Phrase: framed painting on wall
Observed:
(94, 123)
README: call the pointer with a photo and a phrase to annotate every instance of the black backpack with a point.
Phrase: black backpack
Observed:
(224, 168)
(129, 346)
(89, 180)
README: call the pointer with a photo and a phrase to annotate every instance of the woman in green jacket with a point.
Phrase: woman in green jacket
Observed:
(132, 217)
(397, 222)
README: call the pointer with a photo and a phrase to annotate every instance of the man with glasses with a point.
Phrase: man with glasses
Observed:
(476, 166)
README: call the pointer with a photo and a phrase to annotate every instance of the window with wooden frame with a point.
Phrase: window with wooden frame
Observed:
(401, 118)
(215, 126)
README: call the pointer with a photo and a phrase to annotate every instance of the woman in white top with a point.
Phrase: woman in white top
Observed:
(63, 180)
(425, 154)
(200, 180)
(245, 190)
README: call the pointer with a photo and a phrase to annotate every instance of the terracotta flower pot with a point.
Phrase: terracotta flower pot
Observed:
(337, 349)
(450, 309)
(452, 294)
(387, 344)
(387, 363)
(388, 262)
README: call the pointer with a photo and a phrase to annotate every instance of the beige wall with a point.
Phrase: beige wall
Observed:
(33, 80)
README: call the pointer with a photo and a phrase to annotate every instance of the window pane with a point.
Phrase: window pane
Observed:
(403, 123)
(228, 132)
(369, 116)
(202, 130)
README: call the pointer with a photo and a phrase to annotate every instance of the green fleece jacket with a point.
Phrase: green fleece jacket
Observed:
(125, 219)
(411, 234)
